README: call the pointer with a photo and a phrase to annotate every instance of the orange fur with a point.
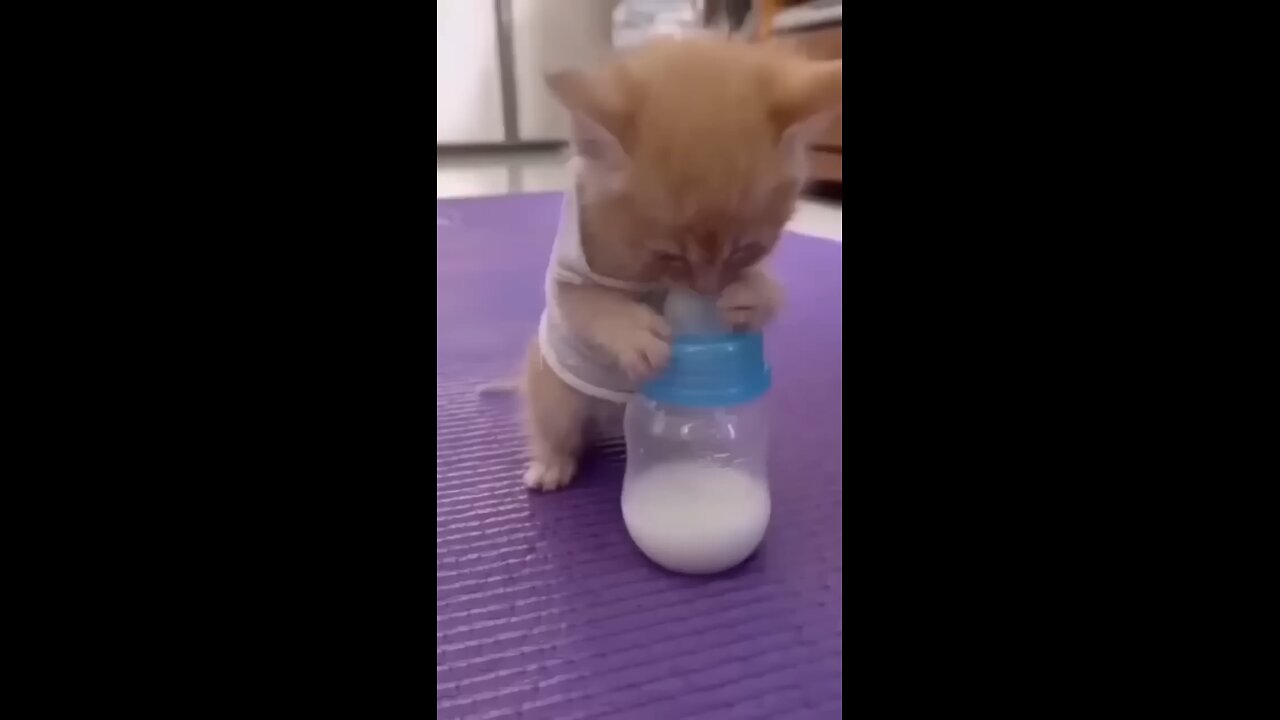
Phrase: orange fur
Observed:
(691, 153)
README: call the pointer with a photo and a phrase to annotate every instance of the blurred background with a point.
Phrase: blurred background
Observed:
(498, 129)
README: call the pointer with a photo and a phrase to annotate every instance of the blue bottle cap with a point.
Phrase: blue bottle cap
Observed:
(712, 371)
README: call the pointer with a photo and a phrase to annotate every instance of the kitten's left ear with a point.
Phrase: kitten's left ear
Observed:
(806, 98)
(599, 114)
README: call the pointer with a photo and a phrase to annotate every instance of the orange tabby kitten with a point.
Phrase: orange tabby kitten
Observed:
(689, 157)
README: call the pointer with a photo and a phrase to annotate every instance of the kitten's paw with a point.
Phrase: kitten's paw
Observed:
(550, 474)
(643, 345)
(749, 304)
(643, 355)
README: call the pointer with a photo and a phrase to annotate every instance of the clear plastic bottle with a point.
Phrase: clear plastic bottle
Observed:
(695, 497)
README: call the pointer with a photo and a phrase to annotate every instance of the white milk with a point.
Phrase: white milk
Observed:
(695, 518)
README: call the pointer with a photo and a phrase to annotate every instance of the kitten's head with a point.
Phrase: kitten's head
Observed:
(692, 154)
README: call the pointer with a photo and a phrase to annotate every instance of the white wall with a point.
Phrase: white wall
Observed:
(468, 89)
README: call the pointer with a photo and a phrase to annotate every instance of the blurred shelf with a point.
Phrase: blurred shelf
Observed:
(819, 13)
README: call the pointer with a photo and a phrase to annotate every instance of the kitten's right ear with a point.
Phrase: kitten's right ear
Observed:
(598, 115)
(806, 97)
(808, 90)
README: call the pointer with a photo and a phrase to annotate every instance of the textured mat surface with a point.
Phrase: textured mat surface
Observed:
(544, 608)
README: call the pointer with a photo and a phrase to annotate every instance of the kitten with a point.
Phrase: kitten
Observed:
(689, 158)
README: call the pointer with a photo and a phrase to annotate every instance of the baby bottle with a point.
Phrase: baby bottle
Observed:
(695, 498)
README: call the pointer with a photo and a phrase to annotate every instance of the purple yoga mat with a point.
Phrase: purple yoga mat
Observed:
(544, 608)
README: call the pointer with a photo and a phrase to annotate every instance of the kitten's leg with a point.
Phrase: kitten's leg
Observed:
(636, 336)
(751, 302)
(555, 415)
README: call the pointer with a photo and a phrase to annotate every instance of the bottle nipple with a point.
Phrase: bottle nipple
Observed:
(690, 313)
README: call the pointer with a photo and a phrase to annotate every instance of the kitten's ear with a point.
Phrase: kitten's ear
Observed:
(806, 98)
(598, 114)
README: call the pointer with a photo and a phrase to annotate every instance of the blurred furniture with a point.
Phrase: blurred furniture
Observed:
(814, 27)
(468, 83)
(491, 56)
(550, 35)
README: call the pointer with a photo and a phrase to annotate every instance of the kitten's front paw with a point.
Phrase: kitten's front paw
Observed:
(641, 344)
(550, 474)
(750, 303)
